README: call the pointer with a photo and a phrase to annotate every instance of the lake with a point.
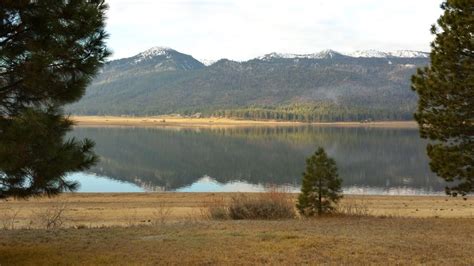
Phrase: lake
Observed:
(369, 160)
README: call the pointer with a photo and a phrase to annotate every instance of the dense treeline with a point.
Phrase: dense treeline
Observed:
(315, 114)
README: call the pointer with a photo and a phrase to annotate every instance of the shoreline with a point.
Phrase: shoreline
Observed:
(171, 121)
(119, 209)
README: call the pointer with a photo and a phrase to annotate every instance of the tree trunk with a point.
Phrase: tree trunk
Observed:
(320, 206)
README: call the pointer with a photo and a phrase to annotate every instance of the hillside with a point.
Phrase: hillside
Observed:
(325, 86)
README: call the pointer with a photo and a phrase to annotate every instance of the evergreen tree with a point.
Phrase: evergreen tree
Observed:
(446, 97)
(321, 186)
(34, 157)
(49, 52)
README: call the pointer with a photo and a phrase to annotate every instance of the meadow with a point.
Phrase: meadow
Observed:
(173, 228)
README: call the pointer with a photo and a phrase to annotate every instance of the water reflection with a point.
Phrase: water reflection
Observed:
(207, 184)
(93, 183)
(244, 159)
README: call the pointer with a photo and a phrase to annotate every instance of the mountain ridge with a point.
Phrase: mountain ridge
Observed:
(323, 87)
(356, 54)
(369, 53)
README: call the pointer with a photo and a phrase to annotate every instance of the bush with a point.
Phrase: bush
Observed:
(52, 217)
(161, 213)
(270, 205)
(8, 218)
(218, 212)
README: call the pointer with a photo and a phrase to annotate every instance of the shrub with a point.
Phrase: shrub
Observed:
(161, 213)
(218, 212)
(53, 216)
(8, 218)
(270, 205)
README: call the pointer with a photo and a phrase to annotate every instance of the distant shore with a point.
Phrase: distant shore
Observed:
(173, 121)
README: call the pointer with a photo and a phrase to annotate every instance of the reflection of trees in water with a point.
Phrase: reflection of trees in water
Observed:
(175, 158)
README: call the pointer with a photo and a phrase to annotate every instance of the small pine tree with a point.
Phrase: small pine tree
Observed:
(321, 186)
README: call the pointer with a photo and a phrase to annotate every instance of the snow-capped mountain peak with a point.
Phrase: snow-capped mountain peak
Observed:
(207, 62)
(329, 54)
(320, 55)
(409, 54)
(152, 52)
(278, 55)
(367, 53)
(157, 50)
(392, 54)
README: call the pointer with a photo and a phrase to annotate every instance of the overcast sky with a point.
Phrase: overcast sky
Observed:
(244, 29)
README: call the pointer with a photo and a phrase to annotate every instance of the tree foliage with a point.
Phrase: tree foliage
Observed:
(321, 186)
(446, 97)
(317, 112)
(34, 157)
(49, 52)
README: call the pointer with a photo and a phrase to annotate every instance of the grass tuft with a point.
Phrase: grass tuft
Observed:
(354, 209)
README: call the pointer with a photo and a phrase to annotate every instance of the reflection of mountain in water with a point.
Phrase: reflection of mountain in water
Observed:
(170, 158)
(207, 184)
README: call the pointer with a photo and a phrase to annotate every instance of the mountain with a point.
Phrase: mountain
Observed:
(324, 86)
(160, 59)
(394, 54)
(325, 54)
(207, 62)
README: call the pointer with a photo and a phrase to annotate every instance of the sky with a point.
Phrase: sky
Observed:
(244, 29)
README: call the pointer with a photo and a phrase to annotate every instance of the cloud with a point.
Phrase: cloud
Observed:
(243, 29)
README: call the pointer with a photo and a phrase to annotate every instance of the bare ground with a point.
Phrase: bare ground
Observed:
(171, 121)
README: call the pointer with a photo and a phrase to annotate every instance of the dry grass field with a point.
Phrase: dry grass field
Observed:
(124, 209)
(170, 228)
(172, 121)
(119, 209)
(335, 240)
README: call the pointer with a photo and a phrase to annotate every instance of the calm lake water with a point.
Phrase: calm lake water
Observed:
(370, 160)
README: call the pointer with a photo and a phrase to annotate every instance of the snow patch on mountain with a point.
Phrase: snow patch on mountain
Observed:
(324, 54)
(368, 53)
(152, 52)
(409, 54)
(321, 55)
(392, 54)
(328, 54)
(207, 62)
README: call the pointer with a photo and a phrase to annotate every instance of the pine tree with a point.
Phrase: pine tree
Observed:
(446, 97)
(321, 187)
(49, 52)
(35, 157)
